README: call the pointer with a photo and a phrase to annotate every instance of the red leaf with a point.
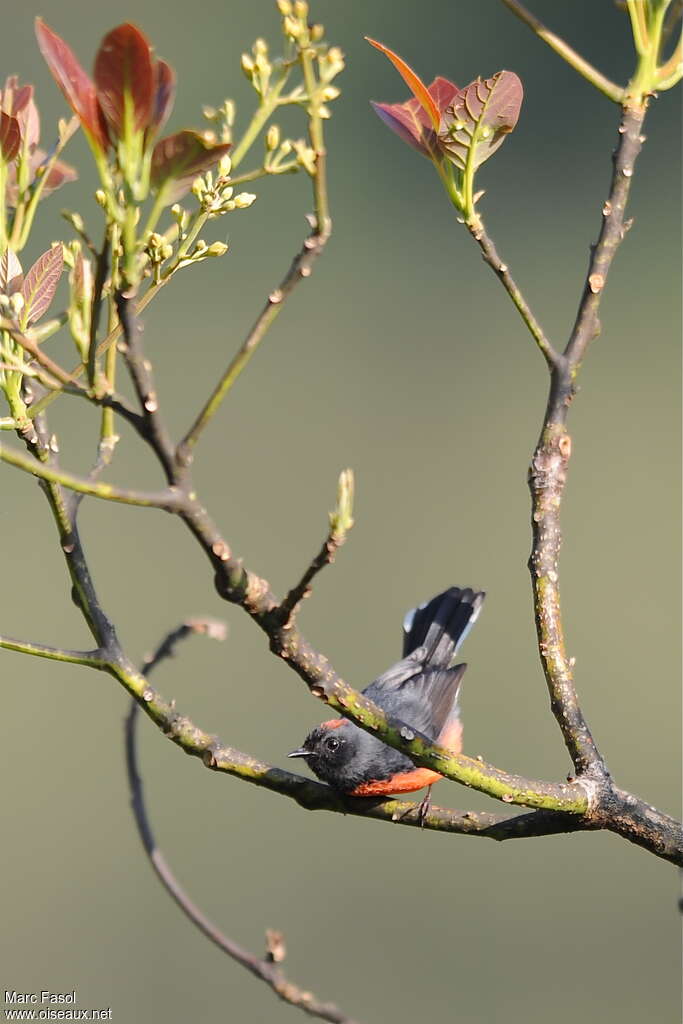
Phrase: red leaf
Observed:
(481, 116)
(164, 94)
(10, 136)
(123, 67)
(18, 101)
(11, 276)
(40, 284)
(76, 85)
(414, 83)
(410, 121)
(403, 121)
(178, 159)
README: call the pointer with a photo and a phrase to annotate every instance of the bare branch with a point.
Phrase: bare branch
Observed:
(267, 969)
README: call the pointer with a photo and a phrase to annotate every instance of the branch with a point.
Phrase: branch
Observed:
(548, 471)
(585, 68)
(265, 968)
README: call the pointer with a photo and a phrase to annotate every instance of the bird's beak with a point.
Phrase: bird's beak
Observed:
(301, 752)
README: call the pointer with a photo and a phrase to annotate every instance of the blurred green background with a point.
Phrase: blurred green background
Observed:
(403, 358)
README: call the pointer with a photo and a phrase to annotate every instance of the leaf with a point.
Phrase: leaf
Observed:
(414, 83)
(480, 117)
(75, 84)
(164, 94)
(403, 119)
(18, 101)
(59, 174)
(10, 136)
(123, 68)
(178, 159)
(40, 284)
(411, 122)
(11, 275)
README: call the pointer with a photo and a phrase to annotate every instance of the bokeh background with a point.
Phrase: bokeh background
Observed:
(403, 358)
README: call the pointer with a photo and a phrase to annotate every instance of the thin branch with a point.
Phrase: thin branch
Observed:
(610, 89)
(301, 268)
(93, 659)
(141, 374)
(106, 343)
(267, 969)
(168, 500)
(57, 371)
(500, 269)
(341, 521)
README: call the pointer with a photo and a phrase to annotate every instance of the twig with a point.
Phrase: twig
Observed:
(94, 659)
(168, 500)
(301, 268)
(501, 271)
(141, 374)
(610, 89)
(266, 968)
(341, 521)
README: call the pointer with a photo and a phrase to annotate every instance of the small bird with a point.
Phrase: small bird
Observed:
(421, 690)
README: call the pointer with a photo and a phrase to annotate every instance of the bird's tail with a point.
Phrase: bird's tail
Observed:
(440, 625)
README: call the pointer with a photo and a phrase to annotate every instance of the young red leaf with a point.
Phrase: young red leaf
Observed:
(414, 83)
(123, 68)
(11, 276)
(10, 136)
(404, 120)
(18, 101)
(480, 117)
(40, 284)
(410, 121)
(178, 159)
(75, 84)
(164, 94)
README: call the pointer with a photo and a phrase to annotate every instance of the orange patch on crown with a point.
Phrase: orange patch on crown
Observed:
(333, 723)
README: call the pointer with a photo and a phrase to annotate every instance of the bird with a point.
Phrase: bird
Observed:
(421, 690)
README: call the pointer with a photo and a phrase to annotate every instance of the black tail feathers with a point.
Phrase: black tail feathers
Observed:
(440, 625)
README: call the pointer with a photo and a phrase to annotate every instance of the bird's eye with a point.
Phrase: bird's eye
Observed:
(332, 743)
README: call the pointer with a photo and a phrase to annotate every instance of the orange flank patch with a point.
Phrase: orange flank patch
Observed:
(417, 778)
(404, 782)
(333, 723)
